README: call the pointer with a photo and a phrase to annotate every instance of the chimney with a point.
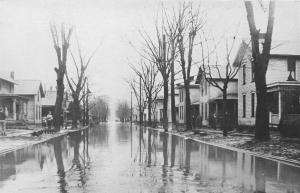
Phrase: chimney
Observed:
(12, 75)
(51, 88)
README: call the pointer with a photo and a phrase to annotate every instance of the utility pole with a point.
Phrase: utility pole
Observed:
(131, 109)
(87, 118)
(84, 106)
(140, 101)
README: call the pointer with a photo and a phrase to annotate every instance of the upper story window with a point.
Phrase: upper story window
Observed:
(244, 74)
(291, 65)
(252, 71)
(205, 88)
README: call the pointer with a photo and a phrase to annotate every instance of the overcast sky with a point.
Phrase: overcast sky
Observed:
(26, 45)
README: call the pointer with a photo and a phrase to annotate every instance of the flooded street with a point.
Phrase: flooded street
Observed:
(115, 158)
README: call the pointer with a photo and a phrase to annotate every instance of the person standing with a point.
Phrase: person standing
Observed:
(49, 119)
(2, 121)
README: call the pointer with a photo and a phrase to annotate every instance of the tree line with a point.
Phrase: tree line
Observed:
(171, 51)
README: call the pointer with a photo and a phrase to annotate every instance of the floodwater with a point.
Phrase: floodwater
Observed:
(117, 158)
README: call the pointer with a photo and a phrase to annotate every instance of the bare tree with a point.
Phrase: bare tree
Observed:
(220, 75)
(189, 23)
(77, 86)
(148, 73)
(123, 111)
(99, 109)
(260, 64)
(61, 45)
(160, 52)
(140, 97)
(171, 31)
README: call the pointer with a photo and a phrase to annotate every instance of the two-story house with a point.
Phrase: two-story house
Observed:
(194, 97)
(32, 90)
(283, 85)
(211, 97)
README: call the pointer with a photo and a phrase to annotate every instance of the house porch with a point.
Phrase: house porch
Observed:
(16, 106)
(284, 100)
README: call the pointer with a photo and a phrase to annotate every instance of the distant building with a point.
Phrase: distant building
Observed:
(283, 85)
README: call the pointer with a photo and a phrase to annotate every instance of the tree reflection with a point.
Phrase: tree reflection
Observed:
(165, 147)
(79, 162)
(149, 147)
(173, 149)
(260, 178)
(60, 165)
(188, 146)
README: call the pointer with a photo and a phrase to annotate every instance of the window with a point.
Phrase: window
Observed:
(206, 111)
(252, 71)
(202, 110)
(244, 74)
(36, 112)
(291, 61)
(252, 104)
(244, 105)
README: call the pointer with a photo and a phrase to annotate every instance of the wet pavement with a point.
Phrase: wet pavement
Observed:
(117, 158)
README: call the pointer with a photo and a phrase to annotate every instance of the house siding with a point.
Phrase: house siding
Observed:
(194, 96)
(211, 92)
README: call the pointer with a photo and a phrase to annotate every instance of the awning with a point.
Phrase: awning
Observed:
(284, 86)
(11, 95)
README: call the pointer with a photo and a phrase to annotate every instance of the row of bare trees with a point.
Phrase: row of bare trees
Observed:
(176, 36)
(172, 35)
(61, 40)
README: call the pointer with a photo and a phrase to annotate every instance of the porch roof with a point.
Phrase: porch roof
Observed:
(230, 96)
(12, 95)
(284, 86)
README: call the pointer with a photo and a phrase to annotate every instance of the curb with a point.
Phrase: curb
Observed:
(262, 155)
(27, 144)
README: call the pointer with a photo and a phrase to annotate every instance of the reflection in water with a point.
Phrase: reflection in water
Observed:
(103, 159)
(60, 165)
(149, 148)
(173, 149)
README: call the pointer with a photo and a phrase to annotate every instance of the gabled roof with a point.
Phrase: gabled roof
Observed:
(193, 83)
(219, 71)
(29, 87)
(285, 48)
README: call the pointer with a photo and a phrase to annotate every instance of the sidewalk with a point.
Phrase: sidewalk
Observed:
(19, 138)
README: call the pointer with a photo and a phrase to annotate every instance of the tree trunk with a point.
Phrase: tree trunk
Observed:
(262, 114)
(75, 112)
(224, 112)
(149, 110)
(188, 106)
(57, 116)
(165, 105)
(173, 108)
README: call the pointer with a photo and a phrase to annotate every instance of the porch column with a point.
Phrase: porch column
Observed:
(279, 105)
(14, 109)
